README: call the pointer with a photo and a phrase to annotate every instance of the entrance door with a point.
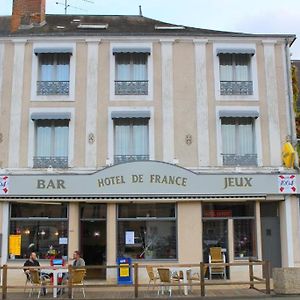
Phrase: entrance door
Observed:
(270, 228)
(93, 246)
(215, 234)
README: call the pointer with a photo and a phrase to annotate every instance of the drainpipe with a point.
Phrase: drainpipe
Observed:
(291, 123)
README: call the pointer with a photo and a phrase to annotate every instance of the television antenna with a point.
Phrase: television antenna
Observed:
(67, 5)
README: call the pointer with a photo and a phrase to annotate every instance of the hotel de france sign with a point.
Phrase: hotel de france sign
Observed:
(146, 178)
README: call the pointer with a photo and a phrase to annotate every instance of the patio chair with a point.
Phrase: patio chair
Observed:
(37, 282)
(77, 280)
(166, 279)
(152, 276)
(216, 256)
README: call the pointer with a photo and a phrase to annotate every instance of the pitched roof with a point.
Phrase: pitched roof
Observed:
(68, 25)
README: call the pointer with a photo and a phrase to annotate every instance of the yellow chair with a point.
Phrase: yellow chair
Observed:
(167, 279)
(152, 276)
(216, 256)
(77, 280)
(37, 282)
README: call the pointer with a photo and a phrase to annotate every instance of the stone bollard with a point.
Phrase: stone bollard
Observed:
(286, 280)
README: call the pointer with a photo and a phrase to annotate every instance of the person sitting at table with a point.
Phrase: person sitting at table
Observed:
(33, 262)
(78, 260)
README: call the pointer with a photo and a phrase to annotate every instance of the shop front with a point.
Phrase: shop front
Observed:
(151, 212)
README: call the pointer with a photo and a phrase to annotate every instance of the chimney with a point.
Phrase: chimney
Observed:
(27, 13)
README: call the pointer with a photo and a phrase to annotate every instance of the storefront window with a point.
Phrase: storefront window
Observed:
(42, 228)
(147, 231)
(244, 241)
(243, 225)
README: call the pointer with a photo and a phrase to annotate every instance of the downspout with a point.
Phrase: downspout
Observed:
(291, 123)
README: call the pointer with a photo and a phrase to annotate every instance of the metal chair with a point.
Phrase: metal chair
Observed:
(37, 282)
(216, 256)
(77, 280)
(152, 276)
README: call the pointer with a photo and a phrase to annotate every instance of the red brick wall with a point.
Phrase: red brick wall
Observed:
(30, 11)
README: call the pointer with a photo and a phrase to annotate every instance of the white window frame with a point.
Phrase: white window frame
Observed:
(111, 138)
(32, 133)
(253, 72)
(35, 72)
(137, 46)
(257, 132)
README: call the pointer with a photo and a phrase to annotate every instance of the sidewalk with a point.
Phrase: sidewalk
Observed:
(226, 292)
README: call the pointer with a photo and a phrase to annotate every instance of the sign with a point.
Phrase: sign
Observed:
(129, 237)
(221, 213)
(63, 241)
(124, 270)
(287, 184)
(15, 244)
(4, 189)
(141, 178)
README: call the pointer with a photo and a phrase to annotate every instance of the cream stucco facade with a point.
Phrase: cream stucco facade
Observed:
(184, 108)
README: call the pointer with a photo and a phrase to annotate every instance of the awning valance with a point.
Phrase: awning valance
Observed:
(238, 114)
(53, 50)
(51, 116)
(235, 51)
(131, 50)
(143, 114)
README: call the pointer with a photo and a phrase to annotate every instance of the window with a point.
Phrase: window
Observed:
(51, 148)
(131, 74)
(42, 228)
(53, 74)
(235, 74)
(147, 231)
(238, 141)
(131, 139)
(215, 218)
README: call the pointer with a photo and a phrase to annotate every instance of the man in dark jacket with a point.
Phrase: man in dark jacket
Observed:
(33, 262)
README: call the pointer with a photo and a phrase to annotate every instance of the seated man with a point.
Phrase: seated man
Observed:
(33, 262)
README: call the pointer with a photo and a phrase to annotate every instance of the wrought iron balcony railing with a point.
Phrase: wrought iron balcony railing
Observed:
(53, 87)
(239, 160)
(236, 87)
(50, 161)
(124, 158)
(137, 87)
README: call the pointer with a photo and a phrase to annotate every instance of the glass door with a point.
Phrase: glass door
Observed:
(215, 234)
(93, 238)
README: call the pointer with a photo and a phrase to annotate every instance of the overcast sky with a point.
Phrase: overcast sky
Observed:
(254, 16)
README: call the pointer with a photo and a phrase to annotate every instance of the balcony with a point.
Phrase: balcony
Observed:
(239, 160)
(53, 88)
(125, 158)
(138, 87)
(60, 162)
(236, 87)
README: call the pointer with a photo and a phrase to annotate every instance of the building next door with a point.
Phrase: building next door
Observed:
(93, 238)
(270, 228)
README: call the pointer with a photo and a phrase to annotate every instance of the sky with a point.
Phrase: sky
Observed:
(253, 16)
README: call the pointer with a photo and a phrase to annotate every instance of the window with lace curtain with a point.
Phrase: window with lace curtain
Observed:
(238, 141)
(51, 144)
(53, 74)
(235, 74)
(131, 139)
(131, 74)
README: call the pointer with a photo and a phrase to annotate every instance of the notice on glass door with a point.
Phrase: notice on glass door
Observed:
(129, 237)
